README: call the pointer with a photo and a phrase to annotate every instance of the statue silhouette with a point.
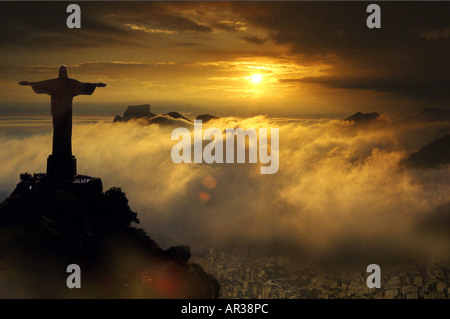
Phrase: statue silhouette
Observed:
(62, 164)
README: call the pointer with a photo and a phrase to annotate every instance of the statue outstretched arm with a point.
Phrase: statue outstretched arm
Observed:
(81, 88)
(42, 87)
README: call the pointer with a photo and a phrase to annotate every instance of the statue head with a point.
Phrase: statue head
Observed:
(63, 72)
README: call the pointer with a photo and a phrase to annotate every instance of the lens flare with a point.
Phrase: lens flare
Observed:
(209, 182)
(204, 197)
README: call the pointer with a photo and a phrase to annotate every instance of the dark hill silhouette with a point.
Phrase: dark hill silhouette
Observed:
(206, 117)
(363, 118)
(177, 115)
(429, 115)
(45, 228)
(142, 112)
(137, 111)
(433, 155)
(166, 119)
(367, 120)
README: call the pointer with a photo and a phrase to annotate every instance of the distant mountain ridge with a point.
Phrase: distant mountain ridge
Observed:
(363, 117)
(434, 154)
(366, 120)
(142, 112)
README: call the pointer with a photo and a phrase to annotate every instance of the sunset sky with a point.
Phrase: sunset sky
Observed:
(301, 67)
(230, 58)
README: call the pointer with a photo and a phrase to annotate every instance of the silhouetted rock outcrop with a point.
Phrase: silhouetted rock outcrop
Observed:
(142, 112)
(135, 112)
(44, 228)
(363, 118)
(206, 117)
(429, 115)
(180, 253)
(367, 120)
(435, 154)
(166, 119)
(177, 115)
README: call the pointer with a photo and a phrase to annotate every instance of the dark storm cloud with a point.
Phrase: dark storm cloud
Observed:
(43, 25)
(431, 89)
(409, 53)
(254, 39)
(161, 71)
(149, 14)
(340, 28)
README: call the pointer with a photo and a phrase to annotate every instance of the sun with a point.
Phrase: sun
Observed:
(256, 78)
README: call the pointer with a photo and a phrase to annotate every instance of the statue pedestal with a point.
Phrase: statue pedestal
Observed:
(61, 167)
(40, 182)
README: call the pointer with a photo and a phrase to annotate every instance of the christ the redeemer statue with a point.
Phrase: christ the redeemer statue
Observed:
(62, 164)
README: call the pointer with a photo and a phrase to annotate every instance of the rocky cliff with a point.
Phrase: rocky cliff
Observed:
(45, 227)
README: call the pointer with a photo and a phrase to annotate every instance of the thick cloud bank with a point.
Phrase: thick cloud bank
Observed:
(339, 187)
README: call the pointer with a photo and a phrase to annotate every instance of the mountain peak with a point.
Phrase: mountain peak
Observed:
(363, 118)
(434, 154)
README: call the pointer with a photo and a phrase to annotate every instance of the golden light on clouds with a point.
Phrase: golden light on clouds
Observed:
(226, 58)
(246, 78)
(148, 30)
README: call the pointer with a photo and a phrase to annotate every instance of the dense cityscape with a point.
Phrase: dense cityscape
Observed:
(245, 275)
